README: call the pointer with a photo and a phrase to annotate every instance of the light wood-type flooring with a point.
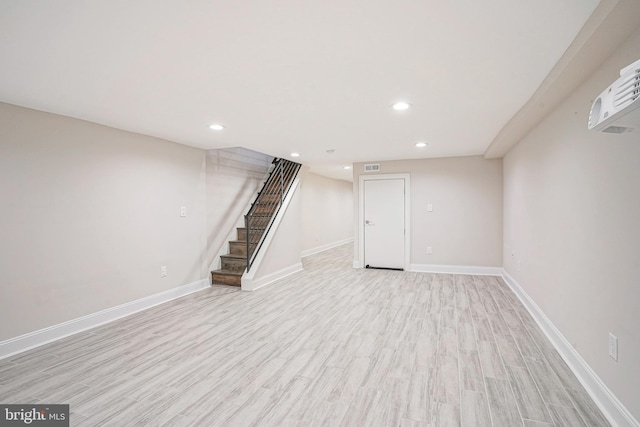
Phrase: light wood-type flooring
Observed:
(331, 346)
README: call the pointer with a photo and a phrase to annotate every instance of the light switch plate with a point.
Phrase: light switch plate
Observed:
(613, 346)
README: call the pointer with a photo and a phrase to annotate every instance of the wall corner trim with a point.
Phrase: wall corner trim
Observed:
(326, 247)
(615, 412)
(457, 269)
(53, 333)
(254, 284)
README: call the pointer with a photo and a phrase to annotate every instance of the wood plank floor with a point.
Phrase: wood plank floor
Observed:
(329, 346)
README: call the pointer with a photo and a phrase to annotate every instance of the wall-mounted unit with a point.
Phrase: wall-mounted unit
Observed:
(372, 167)
(617, 109)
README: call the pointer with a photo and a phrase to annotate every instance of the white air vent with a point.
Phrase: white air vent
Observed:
(372, 167)
(628, 90)
(617, 109)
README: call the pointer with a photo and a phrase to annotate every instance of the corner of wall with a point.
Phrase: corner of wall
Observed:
(605, 399)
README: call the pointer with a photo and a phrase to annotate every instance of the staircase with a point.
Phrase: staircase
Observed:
(234, 263)
(258, 221)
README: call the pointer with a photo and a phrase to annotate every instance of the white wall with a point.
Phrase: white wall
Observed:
(572, 229)
(465, 227)
(327, 212)
(89, 215)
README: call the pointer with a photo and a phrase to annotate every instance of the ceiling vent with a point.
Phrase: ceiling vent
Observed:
(372, 167)
(617, 109)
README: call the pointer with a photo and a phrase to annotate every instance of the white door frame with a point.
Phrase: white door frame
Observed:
(407, 215)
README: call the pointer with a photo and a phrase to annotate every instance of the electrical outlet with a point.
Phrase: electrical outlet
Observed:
(183, 211)
(163, 271)
(613, 346)
(429, 250)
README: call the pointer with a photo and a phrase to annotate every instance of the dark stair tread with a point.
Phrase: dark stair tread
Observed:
(254, 232)
(234, 256)
(228, 272)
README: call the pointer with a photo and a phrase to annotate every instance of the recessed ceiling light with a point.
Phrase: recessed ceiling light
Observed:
(421, 144)
(216, 126)
(401, 106)
(295, 154)
(347, 167)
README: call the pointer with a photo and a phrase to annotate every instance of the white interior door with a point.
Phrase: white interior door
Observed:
(384, 223)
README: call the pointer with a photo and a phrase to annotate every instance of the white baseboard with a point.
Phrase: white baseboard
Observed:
(615, 412)
(456, 269)
(326, 247)
(356, 264)
(53, 333)
(253, 284)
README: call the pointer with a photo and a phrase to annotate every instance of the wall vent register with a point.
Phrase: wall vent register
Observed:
(617, 109)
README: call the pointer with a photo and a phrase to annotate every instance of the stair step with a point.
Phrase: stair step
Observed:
(264, 209)
(226, 277)
(239, 247)
(270, 197)
(259, 222)
(233, 262)
(256, 233)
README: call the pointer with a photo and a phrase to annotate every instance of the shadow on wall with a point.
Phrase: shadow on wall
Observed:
(226, 222)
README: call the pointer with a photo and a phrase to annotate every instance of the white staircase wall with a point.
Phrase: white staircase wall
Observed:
(280, 254)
